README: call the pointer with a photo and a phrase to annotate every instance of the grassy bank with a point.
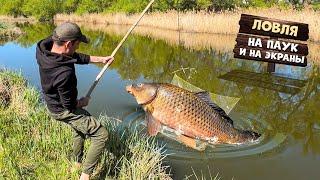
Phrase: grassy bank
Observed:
(202, 22)
(34, 146)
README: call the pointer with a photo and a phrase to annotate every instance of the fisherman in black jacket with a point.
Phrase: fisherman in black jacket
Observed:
(56, 57)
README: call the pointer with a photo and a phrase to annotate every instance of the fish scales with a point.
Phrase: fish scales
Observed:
(195, 117)
(191, 114)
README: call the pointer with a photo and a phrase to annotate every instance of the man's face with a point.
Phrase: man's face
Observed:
(71, 47)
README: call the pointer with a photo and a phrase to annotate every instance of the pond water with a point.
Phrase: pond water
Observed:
(283, 106)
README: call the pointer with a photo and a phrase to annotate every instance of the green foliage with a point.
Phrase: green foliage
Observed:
(316, 6)
(43, 10)
(258, 3)
(34, 32)
(283, 5)
(70, 6)
(162, 5)
(90, 6)
(185, 4)
(12, 7)
(128, 6)
(265, 4)
(203, 4)
(220, 5)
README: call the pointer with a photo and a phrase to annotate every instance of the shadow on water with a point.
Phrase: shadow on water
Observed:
(283, 105)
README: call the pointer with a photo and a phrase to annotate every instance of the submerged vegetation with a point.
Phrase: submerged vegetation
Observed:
(33, 146)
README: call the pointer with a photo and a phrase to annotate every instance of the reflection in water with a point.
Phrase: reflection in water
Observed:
(266, 81)
(281, 112)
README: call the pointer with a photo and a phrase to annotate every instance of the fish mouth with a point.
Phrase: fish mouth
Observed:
(129, 89)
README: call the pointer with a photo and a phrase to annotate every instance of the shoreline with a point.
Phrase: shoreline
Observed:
(225, 23)
(192, 41)
(201, 22)
(191, 32)
(12, 19)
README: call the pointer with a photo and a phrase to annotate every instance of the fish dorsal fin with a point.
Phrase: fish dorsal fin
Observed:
(205, 97)
(153, 124)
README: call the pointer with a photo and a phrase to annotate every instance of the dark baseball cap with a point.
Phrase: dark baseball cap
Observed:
(68, 31)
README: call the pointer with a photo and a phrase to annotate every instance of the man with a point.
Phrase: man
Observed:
(56, 57)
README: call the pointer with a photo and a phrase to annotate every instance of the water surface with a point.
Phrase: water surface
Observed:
(283, 105)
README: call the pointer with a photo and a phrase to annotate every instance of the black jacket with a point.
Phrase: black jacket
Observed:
(58, 78)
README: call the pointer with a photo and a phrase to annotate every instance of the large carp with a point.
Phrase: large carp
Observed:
(193, 115)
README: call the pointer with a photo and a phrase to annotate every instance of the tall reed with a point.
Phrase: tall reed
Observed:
(202, 22)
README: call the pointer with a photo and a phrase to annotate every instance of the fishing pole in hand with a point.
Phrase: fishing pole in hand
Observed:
(117, 48)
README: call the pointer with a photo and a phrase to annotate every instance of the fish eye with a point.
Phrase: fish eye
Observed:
(139, 85)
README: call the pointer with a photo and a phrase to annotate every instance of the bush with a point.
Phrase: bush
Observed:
(128, 6)
(221, 5)
(12, 7)
(316, 6)
(43, 10)
(70, 6)
(90, 6)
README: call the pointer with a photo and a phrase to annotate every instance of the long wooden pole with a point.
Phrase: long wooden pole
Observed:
(116, 49)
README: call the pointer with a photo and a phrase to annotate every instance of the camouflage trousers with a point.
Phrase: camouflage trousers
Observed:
(85, 125)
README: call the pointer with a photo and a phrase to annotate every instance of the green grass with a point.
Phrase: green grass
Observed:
(34, 146)
(316, 6)
(131, 155)
(3, 25)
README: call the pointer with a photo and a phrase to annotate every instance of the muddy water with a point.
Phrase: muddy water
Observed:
(283, 106)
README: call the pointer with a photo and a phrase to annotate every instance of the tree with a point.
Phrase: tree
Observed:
(12, 7)
(43, 10)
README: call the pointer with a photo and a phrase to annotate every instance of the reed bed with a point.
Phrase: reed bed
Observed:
(33, 146)
(17, 19)
(197, 31)
(192, 41)
(201, 22)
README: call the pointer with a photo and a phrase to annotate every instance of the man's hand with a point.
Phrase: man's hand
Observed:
(101, 59)
(107, 59)
(82, 102)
